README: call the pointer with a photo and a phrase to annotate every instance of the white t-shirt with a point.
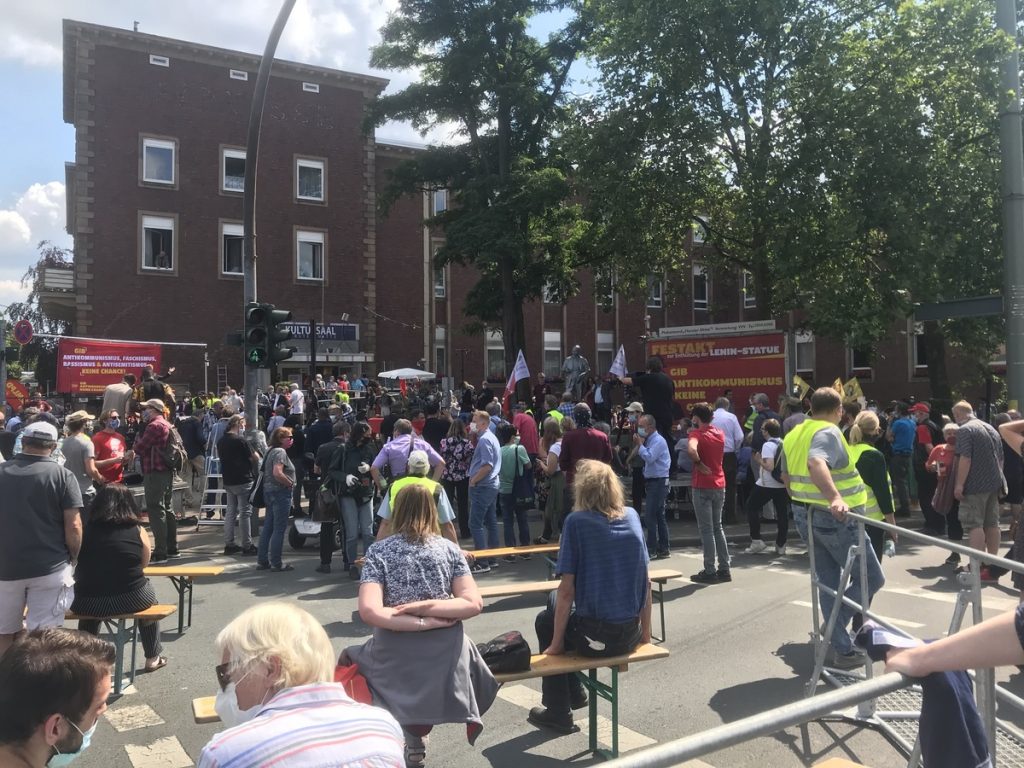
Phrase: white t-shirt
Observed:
(769, 451)
(298, 401)
(556, 448)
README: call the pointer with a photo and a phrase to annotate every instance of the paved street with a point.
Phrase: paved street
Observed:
(737, 649)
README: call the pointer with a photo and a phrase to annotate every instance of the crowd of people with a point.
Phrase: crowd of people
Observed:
(431, 473)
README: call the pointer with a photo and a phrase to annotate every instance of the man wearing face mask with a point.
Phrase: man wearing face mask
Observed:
(280, 705)
(110, 447)
(54, 685)
(484, 482)
(652, 448)
(157, 479)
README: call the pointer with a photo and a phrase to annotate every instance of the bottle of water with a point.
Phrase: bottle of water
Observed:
(889, 549)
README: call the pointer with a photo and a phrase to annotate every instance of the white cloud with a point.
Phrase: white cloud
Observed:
(38, 214)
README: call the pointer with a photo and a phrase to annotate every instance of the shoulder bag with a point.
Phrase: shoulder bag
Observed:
(256, 495)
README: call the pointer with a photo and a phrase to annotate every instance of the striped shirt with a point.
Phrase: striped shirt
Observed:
(310, 726)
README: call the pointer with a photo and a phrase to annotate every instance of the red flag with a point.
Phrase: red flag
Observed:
(402, 387)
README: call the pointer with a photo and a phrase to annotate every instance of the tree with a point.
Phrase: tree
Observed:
(841, 152)
(503, 93)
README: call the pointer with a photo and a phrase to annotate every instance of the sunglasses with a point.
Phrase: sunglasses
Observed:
(223, 674)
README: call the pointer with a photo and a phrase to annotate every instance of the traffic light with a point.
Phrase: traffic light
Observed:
(254, 337)
(276, 335)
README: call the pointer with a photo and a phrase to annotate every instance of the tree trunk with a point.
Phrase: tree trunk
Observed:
(935, 349)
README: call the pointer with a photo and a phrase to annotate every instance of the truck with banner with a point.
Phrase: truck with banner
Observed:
(87, 366)
(737, 359)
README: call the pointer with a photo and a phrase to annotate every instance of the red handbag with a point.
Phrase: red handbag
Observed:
(354, 683)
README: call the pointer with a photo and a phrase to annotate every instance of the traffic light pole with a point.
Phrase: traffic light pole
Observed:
(252, 146)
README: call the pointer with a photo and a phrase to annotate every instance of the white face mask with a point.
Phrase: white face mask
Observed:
(226, 707)
(473, 428)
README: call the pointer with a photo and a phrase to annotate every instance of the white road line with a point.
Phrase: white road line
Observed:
(527, 698)
(897, 622)
(162, 753)
(129, 718)
(993, 603)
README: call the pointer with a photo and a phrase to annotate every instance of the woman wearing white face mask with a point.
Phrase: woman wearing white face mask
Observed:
(277, 698)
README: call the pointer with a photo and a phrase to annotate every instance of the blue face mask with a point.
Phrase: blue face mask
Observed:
(114, 423)
(66, 758)
(642, 431)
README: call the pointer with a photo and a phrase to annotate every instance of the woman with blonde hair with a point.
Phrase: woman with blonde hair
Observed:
(278, 483)
(603, 603)
(416, 591)
(870, 463)
(547, 467)
(280, 704)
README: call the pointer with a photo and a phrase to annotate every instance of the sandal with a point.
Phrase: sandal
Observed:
(415, 756)
(285, 567)
(160, 663)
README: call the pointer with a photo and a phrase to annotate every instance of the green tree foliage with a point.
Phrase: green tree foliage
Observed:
(845, 153)
(503, 92)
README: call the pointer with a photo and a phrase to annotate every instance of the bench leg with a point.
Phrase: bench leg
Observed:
(116, 634)
(551, 566)
(609, 693)
(183, 585)
(660, 597)
(133, 632)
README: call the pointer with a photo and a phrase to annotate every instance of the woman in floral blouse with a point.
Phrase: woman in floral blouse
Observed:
(457, 451)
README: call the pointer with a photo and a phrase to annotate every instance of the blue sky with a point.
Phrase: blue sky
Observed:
(35, 143)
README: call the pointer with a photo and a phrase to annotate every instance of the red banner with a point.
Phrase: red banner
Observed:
(17, 393)
(703, 369)
(87, 367)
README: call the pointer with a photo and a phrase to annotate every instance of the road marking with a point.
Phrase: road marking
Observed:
(897, 622)
(129, 718)
(993, 603)
(527, 698)
(162, 753)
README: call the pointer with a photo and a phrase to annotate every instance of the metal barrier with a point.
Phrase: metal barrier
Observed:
(864, 693)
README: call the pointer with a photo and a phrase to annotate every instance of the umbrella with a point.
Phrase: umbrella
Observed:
(406, 373)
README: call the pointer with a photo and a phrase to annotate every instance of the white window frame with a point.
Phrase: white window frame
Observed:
(493, 341)
(440, 282)
(441, 350)
(700, 271)
(655, 292)
(917, 331)
(552, 343)
(230, 229)
(154, 221)
(155, 143)
(804, 338)
(316, 238)
(858, 369)
(699, 233)
(548, 294)
(438, 201)
(311, 87)
(159, 61)
(233, 154)
(606, 348)
(238, 74)
(308, 162)
(749, 294)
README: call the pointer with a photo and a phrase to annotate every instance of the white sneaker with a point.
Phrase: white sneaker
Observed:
(757, 546)
(780, 551)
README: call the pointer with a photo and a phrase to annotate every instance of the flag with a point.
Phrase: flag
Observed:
(619, 363)
(837, 385)
(403, 387)
(852, 390)
(800, 388)
(519, 372)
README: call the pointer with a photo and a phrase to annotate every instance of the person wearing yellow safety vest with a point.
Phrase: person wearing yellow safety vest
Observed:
(418, 466)
(825, 486)
(871, 467)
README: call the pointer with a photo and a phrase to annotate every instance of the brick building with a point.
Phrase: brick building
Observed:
(155, 209)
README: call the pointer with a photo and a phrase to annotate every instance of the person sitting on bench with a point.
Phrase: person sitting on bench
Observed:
(109, 579)
(602, 606)
(280, 704)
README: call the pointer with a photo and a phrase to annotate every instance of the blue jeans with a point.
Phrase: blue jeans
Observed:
(707, 505)
(483, 515)
(655, 493)
(832, 542)
(279, 502)
(358, 520)
(513, 514)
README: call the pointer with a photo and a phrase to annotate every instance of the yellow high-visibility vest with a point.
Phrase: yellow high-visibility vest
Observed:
(796, 447)
(433, 486)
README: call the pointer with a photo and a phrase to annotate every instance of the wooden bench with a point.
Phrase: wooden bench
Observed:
(122, 628)
(584, 667)
(659, 577)
(181, 577)
(531, 549)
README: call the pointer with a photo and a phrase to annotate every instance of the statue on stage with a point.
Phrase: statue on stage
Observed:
(574, 371)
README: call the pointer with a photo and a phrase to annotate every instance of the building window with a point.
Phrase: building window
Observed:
(309, 179)
(238, 74)
(604, 288)
(920, 349)
(655, 291)
(311, 87)
(231, 249)
(438, 201)
(158, 156)
(701, 287)
(805, 353)
(495, 356)
(605, 351)
(749, 296)
(699, 232)
(158, 243)
(309, 255)
(552, 354)
(860, 360)
(440, 283)
(440, 351)
(232, 167)
(159, 61)
(549, 293)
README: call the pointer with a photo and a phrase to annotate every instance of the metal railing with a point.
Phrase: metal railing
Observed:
(864, 693)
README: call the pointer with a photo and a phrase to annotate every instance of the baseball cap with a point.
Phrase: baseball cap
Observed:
(635, 407)
(920, 408)
(156, 404)
(418, 461)
(80, 416)
(40, 430)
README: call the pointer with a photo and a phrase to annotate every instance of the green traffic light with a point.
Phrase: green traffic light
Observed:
(256, 356)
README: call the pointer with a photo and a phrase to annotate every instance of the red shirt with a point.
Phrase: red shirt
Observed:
(578, 444)
(711, 449)
(527, 428)
(110, 446)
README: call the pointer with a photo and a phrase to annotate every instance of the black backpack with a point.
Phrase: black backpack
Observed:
(173, 452)
(776, 472)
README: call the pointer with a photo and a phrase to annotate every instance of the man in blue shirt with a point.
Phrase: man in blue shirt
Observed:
(652, 448)
(484, 482)
(901, 435)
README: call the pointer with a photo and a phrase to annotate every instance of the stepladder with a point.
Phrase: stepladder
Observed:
(211, 510)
